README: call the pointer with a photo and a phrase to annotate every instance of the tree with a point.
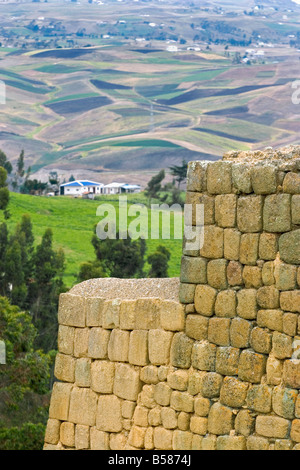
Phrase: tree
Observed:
(159, 262)
(44, 290)
(20, 165)
(122, 258)
(154, 186)
(24, 381)
(4, 192)
(5, 163)
(179, 172)
(90, 270)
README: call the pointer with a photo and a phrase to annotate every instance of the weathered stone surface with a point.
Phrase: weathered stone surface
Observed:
(285, 276)
(83, 372)
(249, 248)
(227, 360)
(71, 310)
(109, 417)
(83, 403)
(147, 315)
(138, 348)
(268, 297)
(295, 430)
(205, 297)
(291, 373)
(272, 426)
(198, 202)
(296, 210)
(211, 385)
(225, 305)
(240, 331)
(290, 301)
(181, 350)
(82, 437)
(162, 438)
(52, 431)
(261, 340)
(284, 401)
(99, 439)
(220, 419)
(187, 293)
(213, 245)
(127, 314)
(247, 304)
(264, 179)
(196, 176)
(159, 346)
(282, 345)
(291, 183)
(118, 345)
(102, 376)
(259, 398)
(64, 367)
(204, 356)
(241, 177)
(289, 247)
(172, 315)
(252, 277)
(219, 331)
(98, 343)
(65, 340)
(233, 392)
(232, 240)
(216, 273)
(182, 401)
(252, 366)
(111, 314)
(127, 383)
(60, 401)
(219, 178)
(244, 423)
(94, 308)
(196, 327)
(249, 213)
(231, 443)
(268, 246)
(193, 270)
(225, 210)
(277, 213)
(272, 319)
(234, 273)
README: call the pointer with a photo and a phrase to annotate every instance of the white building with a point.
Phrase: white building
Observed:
(81, 188)
(120, 188)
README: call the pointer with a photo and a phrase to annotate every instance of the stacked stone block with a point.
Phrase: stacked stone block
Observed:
(242, 298)
(219, 369)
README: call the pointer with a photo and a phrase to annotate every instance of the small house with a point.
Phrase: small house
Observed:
(81, 188)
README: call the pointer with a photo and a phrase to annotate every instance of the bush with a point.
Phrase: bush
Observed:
(27, 437)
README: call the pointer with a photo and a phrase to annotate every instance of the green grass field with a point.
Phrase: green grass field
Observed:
(72, 222)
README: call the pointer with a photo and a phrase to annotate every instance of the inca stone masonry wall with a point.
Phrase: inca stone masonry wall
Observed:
(208, 363)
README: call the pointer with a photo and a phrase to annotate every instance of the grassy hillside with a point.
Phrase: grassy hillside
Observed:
(72, 222)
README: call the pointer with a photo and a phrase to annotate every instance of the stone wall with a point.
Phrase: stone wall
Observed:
(212, 362)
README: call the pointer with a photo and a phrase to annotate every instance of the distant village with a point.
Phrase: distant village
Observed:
(89, 189)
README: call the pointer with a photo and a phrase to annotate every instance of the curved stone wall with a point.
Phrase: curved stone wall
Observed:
(208, 363)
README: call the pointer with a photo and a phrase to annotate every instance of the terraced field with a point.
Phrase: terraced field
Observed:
(125, 110)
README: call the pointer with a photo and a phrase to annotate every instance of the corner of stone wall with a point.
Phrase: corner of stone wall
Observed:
(216, 366)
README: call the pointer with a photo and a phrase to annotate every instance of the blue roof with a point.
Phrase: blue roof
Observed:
(81, 183)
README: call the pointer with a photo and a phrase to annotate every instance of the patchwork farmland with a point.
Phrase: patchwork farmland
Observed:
(118, 106)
